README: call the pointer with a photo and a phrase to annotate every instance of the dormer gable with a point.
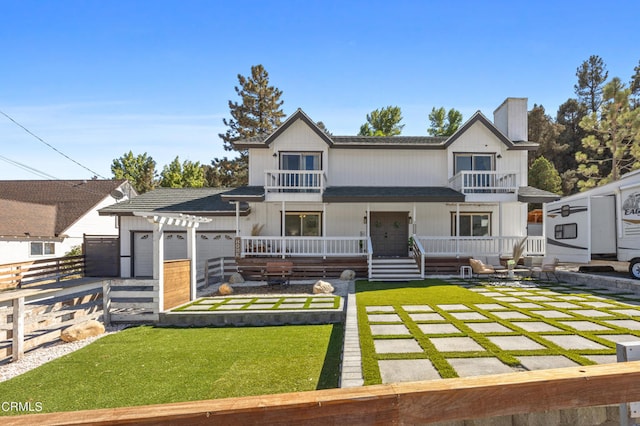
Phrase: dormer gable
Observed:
(298, 115)
(478, 117)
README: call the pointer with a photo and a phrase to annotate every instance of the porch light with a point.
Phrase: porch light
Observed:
(410, 219)
(364, 219)
(499, 156)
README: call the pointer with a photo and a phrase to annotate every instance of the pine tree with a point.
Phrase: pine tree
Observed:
(383, 122)
(258, 113)
(614, 134)
(545, 132)
(443, 123)
(592, 75)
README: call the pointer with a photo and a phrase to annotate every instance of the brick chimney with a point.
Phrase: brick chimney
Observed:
(511, 119)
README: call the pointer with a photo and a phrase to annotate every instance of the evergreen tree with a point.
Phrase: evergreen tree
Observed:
(225, 173)
(545, 132)
(635, 86)
(258, 113)
(614, 133)
(185, 175)
(443, 123)
(543, 175)
(592, 75)
(140, 171)
(383, 122)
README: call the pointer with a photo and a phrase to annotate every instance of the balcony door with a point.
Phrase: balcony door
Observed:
(300, 161)
(475, 163)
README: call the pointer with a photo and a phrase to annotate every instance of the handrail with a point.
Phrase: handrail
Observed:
(303, 246)
(419, 251)
(294, 180)
(399, 403)
(480, 181)
(480, 246)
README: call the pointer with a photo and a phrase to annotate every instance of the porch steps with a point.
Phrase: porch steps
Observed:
(394, 269)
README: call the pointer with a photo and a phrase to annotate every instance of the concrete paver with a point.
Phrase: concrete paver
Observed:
(624, 323)
(591, 313)
(490, 306)
(427, 317)
(545, 362)
(380, 309)
(384, 318)
(468, 367)
(468, 315)
(584, 325)
(389, 329)
(572, 341)
(616, 338)
(454, 307)
(510, 315)
(629, 312)
(407, 370)
(438, 328)
(526, 305)
(396, 346)
(535, 326)
(488, 327)
(512, 343)
(417, 308)
(551, 314)
(456, 344)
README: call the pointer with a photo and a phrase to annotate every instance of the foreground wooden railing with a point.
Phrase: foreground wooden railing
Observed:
(24, 274)
(401, 403)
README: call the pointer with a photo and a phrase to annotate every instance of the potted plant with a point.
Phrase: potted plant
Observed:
(518, 250)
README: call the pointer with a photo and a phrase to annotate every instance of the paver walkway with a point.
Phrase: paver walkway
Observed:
(529, 326)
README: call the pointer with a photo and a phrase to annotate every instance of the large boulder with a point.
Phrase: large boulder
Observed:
(82, 331)
(322, 287)
(347, 275)
(236, 278)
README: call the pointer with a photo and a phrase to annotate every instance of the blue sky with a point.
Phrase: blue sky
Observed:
(96, 79)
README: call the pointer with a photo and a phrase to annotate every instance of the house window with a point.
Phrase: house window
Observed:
(302, 224)
(472, 224)
(300, 161)
(39, 248)
(476, 162)
(566, 231)
(303, 162)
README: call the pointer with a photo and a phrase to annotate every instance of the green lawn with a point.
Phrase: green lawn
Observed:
(147, 365)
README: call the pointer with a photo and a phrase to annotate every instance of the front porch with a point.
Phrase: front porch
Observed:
(327, 257)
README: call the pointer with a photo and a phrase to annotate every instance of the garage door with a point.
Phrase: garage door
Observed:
(212, 245)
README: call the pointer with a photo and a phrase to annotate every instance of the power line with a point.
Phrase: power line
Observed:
(50, 146)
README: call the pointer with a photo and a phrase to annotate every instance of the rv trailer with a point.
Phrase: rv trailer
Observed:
(601, 223)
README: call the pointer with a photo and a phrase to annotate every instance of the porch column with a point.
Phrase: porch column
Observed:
(544, 229)
(457, 229)
(158, 260)
(324, 230)
(368, 220)
(282, 230)
(237, 218)
(413, 219)
(192, 255)
(500, 219)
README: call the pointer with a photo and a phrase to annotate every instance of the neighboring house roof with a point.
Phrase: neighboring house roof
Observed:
(385, 142)
(47, 208)
(346, 194)
(196, 201)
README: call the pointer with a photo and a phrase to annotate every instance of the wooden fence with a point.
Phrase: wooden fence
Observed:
(30, 318)
(130, 300)
(401, 403)
(218, 269)
(177, 282)
(36, 272)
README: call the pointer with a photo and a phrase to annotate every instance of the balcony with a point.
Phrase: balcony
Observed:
(484, 182)
(294, 184)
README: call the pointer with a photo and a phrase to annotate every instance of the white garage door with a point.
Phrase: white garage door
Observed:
(211, 245)
(175, 245)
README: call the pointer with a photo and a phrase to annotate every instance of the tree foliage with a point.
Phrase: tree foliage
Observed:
(226, 173)
(545, 132)
(383, 122)
(444, 123)
(139, 170)
(259, 110)
(543, 175)
(592, 74)
(614, 133)
(185, 175)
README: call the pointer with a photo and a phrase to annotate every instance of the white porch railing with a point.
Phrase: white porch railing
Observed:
(294, 180)
(469, 182)
(479, 246)
(304, 246)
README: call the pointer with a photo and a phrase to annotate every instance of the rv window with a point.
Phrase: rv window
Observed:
(566, 231)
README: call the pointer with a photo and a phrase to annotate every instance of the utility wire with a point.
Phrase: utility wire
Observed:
(50, 146)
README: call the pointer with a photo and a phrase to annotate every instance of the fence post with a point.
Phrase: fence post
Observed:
(221, 268)
(17, 349)
(628, 351)
(106, 302)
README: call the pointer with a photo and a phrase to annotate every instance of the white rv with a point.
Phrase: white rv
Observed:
(603, 222)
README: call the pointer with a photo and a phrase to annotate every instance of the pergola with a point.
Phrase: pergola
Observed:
(160, 221)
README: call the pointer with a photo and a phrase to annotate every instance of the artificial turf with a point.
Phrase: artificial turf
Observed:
(148, 365)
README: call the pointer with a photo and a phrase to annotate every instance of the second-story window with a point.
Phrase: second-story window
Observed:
(300, 161)
(304, 162)
(476, 162)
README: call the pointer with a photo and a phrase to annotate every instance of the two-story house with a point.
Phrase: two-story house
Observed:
(313, 194)
(383, 206)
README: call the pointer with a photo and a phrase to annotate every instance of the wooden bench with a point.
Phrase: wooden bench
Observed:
(278, 272)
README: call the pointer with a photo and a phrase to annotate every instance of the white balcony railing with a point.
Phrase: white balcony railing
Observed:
(479, 246)
(305, 246)
(294, 181)
(491, 182)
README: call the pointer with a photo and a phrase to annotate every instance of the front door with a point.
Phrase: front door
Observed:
(389, 234)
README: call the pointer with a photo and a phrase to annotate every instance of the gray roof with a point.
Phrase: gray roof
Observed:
(529, 194)
(244, 193)
(197, 201)
(346, 194)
